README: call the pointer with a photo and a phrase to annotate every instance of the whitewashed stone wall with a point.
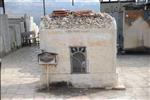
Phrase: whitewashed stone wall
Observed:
(16, 28)
(31, 25)
(10, 34)
(4, 35)
(136, 35)
(100, 44)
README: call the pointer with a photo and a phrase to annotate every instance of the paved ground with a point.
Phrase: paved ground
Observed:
(20, 75)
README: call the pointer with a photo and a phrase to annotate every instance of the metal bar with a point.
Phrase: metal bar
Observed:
(44, 7)
(47, 68)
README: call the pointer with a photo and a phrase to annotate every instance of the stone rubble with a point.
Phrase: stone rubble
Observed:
(99, 20)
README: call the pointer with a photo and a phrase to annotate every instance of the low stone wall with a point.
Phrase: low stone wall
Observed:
(10, 34)
(16, 28)
(99, 38)
(4, 35)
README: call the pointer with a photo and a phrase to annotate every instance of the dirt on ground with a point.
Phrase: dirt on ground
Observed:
(20, 76)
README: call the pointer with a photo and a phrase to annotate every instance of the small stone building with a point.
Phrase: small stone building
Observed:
(86, 48)
(136, 31)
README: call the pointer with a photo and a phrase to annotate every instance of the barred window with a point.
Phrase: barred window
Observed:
(78, 59)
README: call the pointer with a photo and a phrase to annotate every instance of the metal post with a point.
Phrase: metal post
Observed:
(2, 4)
(47, 69)
(44, 7)
(72, 2)
(4, 7)
(100, 5)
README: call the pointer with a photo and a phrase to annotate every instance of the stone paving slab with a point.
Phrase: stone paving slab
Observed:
(20, 75)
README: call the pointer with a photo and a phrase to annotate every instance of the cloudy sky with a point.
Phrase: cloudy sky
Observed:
(51, 0)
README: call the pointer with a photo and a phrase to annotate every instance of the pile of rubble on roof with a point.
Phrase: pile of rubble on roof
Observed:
(79, 19)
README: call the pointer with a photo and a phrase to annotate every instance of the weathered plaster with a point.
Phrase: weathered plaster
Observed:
(136, 30)
(101, 55)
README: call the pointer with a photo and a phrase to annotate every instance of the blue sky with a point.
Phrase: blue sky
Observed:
(35, 7)
(51, 0)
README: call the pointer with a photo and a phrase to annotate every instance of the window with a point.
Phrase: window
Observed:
(78, 59)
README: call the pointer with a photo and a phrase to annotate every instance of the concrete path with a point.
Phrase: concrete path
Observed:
(20, 75)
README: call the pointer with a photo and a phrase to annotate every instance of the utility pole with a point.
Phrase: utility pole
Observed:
(44, 7)
(3, 7)
(72, 2)
(2, 4)
(100, 5)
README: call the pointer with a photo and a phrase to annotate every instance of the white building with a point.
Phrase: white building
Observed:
(11, 29)
(86, 49)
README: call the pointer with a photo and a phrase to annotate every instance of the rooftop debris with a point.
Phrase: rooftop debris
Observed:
(83, 13)
(60, 13)
(79, 19)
